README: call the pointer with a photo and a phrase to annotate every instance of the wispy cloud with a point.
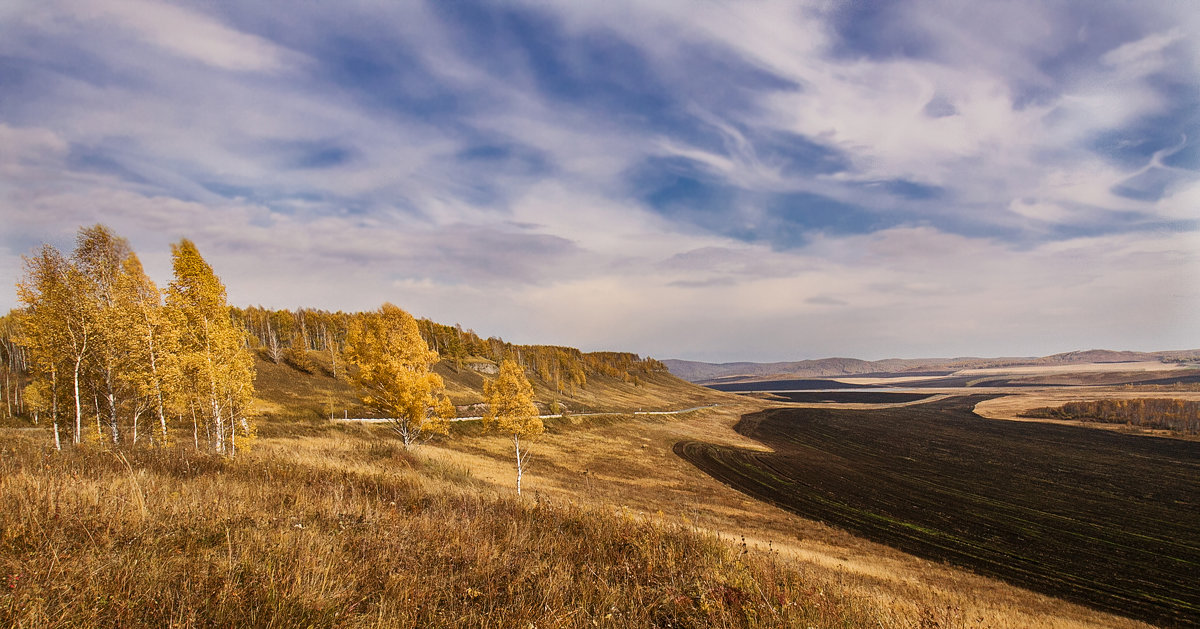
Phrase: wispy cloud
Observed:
(713, 180)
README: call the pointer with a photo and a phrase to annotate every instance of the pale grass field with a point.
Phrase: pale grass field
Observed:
(346, 529)
(935, 395)
(1038, 370)
(627, 465)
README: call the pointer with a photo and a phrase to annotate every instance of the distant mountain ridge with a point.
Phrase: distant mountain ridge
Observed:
(695, 371)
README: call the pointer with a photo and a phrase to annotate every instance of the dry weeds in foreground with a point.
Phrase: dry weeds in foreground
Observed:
(352, 532)
(339, 527)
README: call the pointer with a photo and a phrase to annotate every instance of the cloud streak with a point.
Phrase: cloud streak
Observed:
(714, 181)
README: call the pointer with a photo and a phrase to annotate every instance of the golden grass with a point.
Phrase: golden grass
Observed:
(1147, 365)
(285, 393)
(349, 530)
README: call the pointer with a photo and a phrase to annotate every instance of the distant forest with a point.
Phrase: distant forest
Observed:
(288, 335)
(1161, 413)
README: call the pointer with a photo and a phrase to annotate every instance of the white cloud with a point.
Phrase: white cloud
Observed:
(565, 256)
(189, 34)
(1040, 210)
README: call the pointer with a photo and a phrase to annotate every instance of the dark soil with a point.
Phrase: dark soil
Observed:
(1103, 519)
(861, 397)
(784, 385)
(1192, 378)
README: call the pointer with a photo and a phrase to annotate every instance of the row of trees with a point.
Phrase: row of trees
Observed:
(14, 366)
(288, 335)
(104, 342)
(1163, 413)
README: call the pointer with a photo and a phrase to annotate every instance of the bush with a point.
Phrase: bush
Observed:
(299, 360)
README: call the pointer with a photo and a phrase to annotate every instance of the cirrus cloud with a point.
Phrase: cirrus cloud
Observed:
(715, 181)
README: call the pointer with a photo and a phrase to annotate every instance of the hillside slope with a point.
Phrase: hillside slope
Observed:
(301, 369)
(282, 391)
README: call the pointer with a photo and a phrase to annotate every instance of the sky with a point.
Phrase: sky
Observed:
(688, 179)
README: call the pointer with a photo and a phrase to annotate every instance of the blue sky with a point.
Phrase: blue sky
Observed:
(703, 180)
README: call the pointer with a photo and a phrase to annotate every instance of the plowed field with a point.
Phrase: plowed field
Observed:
(854, 397)
(1104, 519)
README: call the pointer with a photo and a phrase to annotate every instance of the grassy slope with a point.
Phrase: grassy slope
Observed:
(327, 524)
(345, 529)
(284, 392)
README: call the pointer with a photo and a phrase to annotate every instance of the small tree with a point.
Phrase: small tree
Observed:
(394, 374)
(511, 409)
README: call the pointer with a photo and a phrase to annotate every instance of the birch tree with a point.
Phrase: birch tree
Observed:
(152, 342)
(393, 371)
(99, 255)
(215, 362)
(61, 323)
(511, 410)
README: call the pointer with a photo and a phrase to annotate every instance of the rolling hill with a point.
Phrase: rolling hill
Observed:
(703, 372)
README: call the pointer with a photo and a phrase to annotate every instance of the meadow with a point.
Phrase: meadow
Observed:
(349, 530)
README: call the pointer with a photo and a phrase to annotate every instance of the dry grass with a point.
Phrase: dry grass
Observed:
(349, 530)
(283, 392)
(1147, 365)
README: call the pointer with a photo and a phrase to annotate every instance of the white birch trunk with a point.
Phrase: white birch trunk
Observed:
(112, 414)
(54, 406)
(162, 417)
(78, 406)
(195, 429)
(232, 429)
(517, 446)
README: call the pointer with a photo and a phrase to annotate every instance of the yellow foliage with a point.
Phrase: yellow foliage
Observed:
(511, 409)
(393, 372)
(217, 367)
(510, 403)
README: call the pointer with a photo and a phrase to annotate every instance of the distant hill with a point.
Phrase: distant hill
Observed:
(694, 371)
(820, 368)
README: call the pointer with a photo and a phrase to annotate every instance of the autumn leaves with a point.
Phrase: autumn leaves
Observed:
(511, 409)
(116, 360)
(105, 344)
(393, 371)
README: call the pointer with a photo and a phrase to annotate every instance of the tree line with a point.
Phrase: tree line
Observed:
(288, 336)
(1161, 413)
(102, 353)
